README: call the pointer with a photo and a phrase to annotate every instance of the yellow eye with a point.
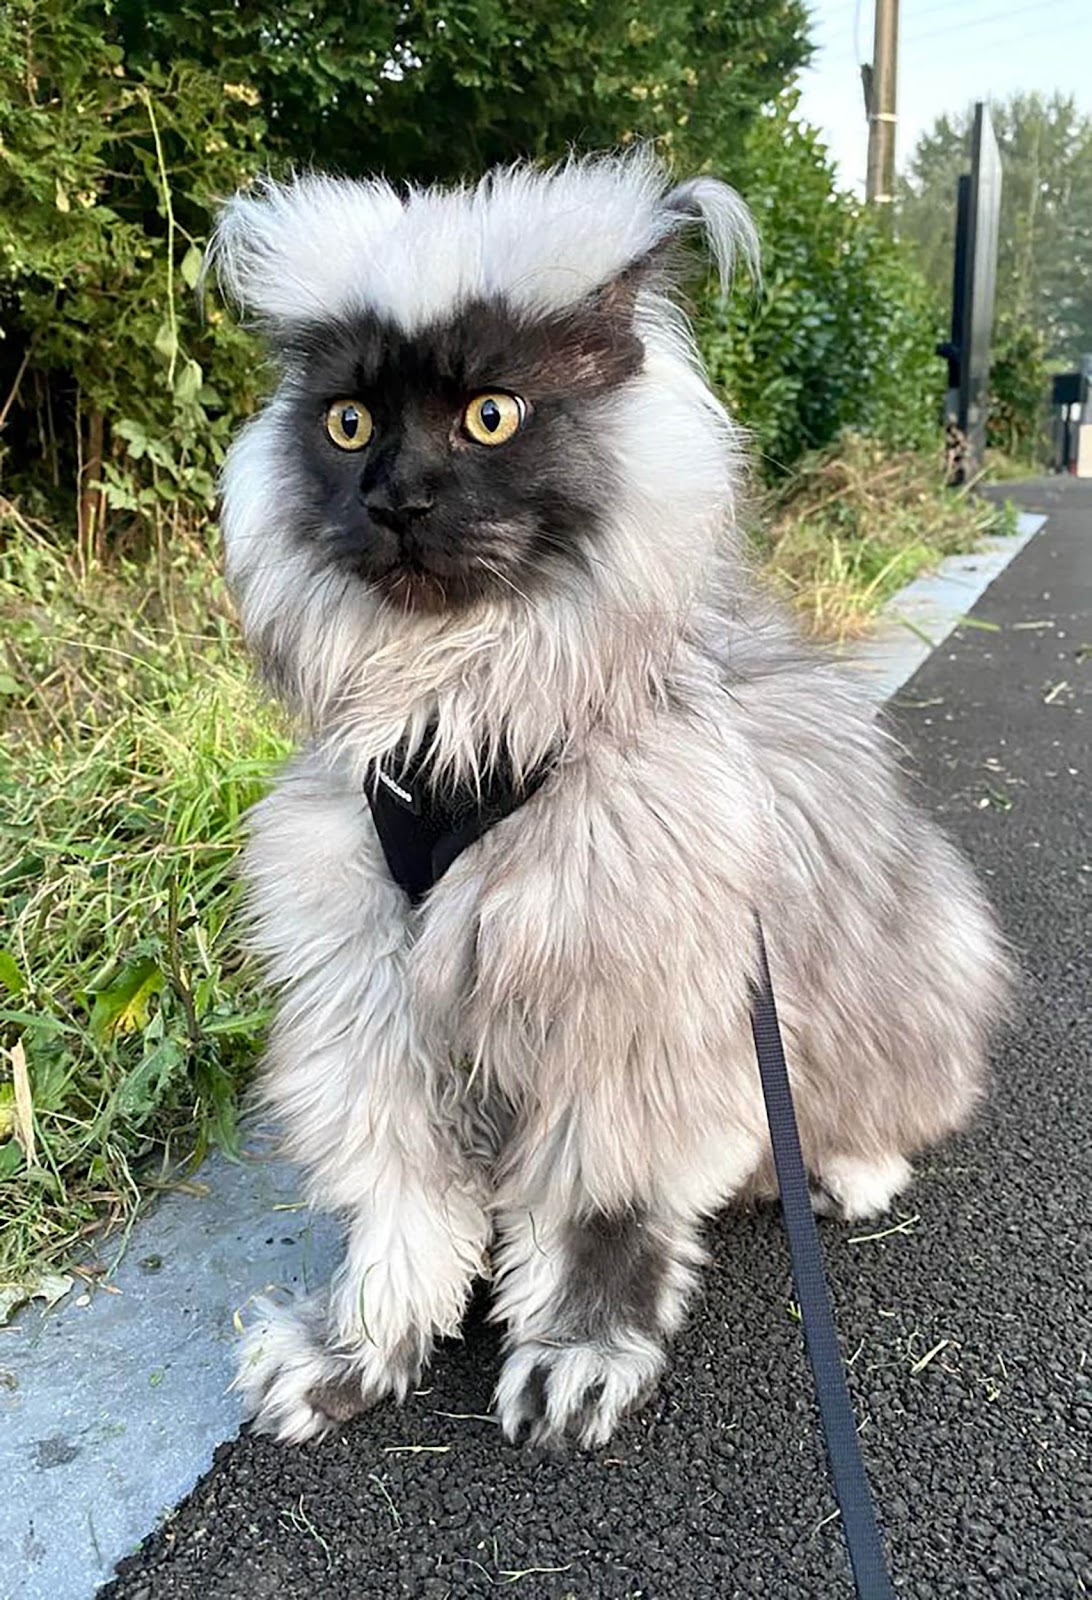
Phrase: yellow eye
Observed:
(493, 418)
(349, 424)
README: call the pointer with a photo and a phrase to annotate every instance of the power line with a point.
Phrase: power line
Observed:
(947, 6)
(980, 22)
(829, 26)
(1004, 41)
(825, 37)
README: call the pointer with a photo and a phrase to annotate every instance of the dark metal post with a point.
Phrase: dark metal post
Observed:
(968, 351)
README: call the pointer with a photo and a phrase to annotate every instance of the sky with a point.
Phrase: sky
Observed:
(951, 52)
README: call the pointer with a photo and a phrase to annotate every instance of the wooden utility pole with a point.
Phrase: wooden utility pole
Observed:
(880, 96)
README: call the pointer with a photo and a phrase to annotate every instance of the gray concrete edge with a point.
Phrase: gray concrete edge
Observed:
(918, 619)
(114, 1401)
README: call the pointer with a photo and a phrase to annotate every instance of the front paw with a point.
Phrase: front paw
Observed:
(581, 1391)
(298, 1384)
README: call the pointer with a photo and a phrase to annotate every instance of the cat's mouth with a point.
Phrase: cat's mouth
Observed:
(431, 581)
(411, 586)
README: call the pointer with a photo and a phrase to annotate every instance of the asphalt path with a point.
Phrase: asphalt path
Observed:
(966, 1329)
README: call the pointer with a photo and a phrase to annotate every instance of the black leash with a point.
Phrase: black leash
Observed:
(862, 1535)
(422, 828)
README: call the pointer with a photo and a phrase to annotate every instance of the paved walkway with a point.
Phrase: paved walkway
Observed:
(967, 1329)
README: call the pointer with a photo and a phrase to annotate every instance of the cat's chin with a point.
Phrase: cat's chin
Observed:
(419, 592)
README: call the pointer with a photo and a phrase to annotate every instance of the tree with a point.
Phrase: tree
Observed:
(1044, 276)
(444, 88)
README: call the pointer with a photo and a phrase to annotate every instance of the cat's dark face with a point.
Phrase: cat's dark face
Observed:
(463, 461)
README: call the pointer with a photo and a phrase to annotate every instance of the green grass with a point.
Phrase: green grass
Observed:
(133, 740)
(854, 524)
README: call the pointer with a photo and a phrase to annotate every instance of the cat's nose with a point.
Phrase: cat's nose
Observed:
(397, 510)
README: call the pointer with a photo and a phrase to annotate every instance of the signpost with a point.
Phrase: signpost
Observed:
(978, 217)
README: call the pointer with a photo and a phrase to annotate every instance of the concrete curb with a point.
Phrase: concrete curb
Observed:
(112, 1408)
(918, 619)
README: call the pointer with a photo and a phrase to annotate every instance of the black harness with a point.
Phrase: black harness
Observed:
(423, 827)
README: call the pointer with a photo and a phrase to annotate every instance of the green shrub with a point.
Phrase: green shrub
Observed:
(442, 89)
(840, 334)
(1019, 390)
(118, 395)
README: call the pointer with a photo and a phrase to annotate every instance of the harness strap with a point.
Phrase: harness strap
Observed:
(862, 1535)
(423, 826)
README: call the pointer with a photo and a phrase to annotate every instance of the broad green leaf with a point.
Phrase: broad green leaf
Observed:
(135, 435)
(11, 975)
(191, 267)
(166, 341)
(187, 385)
(142, 1089)
(123, 1007)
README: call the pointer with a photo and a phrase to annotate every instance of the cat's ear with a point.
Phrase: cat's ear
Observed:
(728, 233)
(616, 300)
(284, 251)
(724, 219)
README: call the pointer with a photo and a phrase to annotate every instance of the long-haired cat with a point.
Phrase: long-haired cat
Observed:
(487, 523)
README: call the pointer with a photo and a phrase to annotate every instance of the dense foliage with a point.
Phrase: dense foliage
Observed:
(1019, 391)
(841, 332)
(441, 88)
(106, 180)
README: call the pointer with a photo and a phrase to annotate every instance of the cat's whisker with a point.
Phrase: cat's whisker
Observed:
(500, 576)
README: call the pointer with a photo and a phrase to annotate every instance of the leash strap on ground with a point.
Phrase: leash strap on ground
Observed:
(835, 1410)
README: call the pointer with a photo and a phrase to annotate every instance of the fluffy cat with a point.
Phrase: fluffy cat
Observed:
(488, 519)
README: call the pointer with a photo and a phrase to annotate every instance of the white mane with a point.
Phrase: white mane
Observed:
(319, 247)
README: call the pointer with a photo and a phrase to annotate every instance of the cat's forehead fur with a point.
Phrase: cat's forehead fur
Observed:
(541, 241)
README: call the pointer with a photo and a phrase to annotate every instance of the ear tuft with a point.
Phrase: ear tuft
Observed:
(729, 230)
(234, 249)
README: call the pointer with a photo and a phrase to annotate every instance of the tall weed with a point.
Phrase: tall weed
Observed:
(133, 742)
